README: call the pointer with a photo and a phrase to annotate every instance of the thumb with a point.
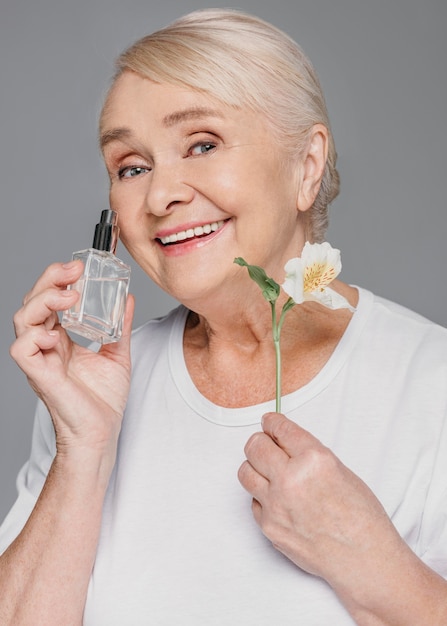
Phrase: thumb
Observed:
(287, 434)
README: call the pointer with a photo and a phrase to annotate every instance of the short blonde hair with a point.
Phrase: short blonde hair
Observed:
(243, 61)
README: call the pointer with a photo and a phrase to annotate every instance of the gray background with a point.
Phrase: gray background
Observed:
(382, 64)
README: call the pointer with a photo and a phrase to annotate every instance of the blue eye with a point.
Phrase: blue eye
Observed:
(202, 148)
(132, 171)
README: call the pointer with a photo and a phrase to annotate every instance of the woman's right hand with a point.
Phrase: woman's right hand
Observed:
(85, 392)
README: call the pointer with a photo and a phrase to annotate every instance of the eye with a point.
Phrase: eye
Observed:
(132, 171)
(201, 148)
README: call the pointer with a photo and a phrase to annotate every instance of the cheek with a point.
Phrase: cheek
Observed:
(133, 234)
(128, 197)
(131, 216)
(131, 221)
(118, 204)
(217, 178)
(233, 176)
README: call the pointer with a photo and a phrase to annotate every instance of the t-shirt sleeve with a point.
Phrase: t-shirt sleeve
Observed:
(31, 477)
(433, 536)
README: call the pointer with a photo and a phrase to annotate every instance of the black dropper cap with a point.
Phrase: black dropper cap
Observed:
(106, 232)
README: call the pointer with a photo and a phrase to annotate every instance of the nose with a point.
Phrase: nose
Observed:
(167, 189)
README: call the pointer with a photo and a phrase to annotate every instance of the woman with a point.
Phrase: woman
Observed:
(217, 142)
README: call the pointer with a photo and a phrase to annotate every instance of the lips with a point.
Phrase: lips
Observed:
(191, 233)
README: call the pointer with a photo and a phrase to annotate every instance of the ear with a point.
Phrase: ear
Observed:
(312, 167)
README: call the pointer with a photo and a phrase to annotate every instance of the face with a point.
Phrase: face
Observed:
(197, 183)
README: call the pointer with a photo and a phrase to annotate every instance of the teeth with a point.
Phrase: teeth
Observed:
(192, 232)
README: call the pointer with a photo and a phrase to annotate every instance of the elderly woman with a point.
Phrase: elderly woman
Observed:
(217, 142)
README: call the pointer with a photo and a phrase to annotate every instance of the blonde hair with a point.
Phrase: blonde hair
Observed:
(243, 61)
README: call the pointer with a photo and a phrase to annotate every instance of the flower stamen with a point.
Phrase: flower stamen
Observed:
(317, 276)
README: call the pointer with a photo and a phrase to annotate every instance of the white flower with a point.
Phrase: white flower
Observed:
(308, 277)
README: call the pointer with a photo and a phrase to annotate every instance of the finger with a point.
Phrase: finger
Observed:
(252, 481)
(265, 456)
(290, 437)
(256, 507)
(27, 349)
(42, 309)
(58, 275)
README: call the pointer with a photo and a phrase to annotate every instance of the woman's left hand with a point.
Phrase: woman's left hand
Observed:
(327, 521)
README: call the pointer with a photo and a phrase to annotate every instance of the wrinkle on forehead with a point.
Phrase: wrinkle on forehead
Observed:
(191, 113)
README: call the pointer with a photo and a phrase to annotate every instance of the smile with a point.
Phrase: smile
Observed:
(190, 233)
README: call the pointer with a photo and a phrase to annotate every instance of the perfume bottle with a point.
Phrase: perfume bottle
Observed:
(98, 313)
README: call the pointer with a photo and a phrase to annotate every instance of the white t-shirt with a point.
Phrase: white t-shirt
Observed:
(178, 543)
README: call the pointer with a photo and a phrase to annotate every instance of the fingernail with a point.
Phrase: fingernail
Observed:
(70, 265)
(264, 417)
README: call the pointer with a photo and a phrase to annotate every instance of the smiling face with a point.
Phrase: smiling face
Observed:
(197, 183)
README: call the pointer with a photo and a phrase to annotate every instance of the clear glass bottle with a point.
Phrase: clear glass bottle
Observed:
(98, 313)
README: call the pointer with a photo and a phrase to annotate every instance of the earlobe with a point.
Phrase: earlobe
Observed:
(312, 167)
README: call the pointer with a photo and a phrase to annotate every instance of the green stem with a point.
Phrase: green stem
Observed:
(276, 327)
(276, 340)
(278, 376)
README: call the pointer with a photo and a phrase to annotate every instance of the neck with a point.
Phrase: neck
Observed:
(247, 319)
(229, 349)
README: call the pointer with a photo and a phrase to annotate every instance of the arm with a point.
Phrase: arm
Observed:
(44, 574)
(328, 522)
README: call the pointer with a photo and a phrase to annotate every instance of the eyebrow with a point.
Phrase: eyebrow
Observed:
(177, 117)
(115, 134)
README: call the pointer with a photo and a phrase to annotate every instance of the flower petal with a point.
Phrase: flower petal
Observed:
(330, 299)
(293, 284)
(321, 252)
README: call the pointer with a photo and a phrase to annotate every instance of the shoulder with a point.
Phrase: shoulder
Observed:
(155, 334)
(405, 340)
(385, 316)
(402, 312)
(160, 325)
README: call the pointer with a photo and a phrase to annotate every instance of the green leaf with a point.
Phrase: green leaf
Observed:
(270, 288)
(288, 305)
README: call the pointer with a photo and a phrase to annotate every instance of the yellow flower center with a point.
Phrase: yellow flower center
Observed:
(317, 276)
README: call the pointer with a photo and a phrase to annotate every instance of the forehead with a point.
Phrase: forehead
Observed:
(135, 101)
(132, 94)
